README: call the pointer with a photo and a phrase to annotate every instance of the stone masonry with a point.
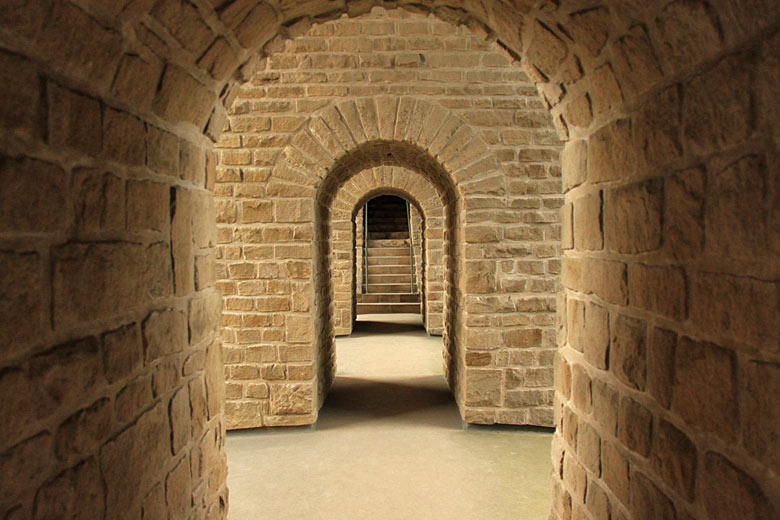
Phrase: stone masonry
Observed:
(466, 103)
(667, 400)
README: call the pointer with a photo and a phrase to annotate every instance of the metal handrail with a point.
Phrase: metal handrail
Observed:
(365, 248)
(411, 246)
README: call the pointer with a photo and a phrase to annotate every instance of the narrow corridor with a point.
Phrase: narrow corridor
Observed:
(389, 444)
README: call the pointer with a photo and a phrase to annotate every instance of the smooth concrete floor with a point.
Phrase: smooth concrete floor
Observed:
(389, 444)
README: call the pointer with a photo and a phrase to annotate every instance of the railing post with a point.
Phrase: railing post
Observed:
(365, 248)
(411, 247)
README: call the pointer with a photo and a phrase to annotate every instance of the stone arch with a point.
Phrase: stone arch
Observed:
(613, 75)
(406, 155)
(346, 268)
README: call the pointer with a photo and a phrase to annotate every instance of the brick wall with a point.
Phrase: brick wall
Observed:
(671, 98)
(466, 100)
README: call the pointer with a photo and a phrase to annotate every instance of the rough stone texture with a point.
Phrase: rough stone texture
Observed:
(450, 109)
(702, 110)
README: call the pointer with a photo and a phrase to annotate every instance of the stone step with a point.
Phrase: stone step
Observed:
(389, 269)
(391, 242)
(388, 288)
(385, 235)
(388, 251)
(390, 278)
(389, 260)
(389, 298)
(388, 308)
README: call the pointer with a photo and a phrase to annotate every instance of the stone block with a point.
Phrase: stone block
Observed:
(546, 51)
(74, 121)
(614, 471)
(17, 406)
(162, 151)
(23, 303)
(215, 381)
(220, 60)
(165, 332)
(130, 461)
(483, 387)
(760, 411)
(611, 153)
(24, 465)
(181, 98)
(53, 373)
(656, 130)
(192, 163)
(605, 405)
(647, 501)
(123, 138)
(77, 492)
(33, 196)
(562, 376)
(134, 397)
(80, 433)
(628, 346)
(61, 41)
(518, 338)
(607, 280)
(588, 222)
(684, 213)
(633, 217)
(589, 447)
(595, 337)
(148, 206)
(122, 352)
(256, 27)
(716, 114)
(567, 229)
(21, 108)
(178, 490)
(659, 289)
(99, 201)
(204, 314)
(635, 424)
(166, 375)
(660, 365)
(579, 112)
(581, 389)
(135, 81)
(728, 493)
(674, 457)
(179, 418)
(153, 505)
(718, 303)
(736, 196)
(291, 398)
(636, 66)
(705, 388)
(574, 163)
(257, 211)
(93, 280)
(299, 329)
(605, 90)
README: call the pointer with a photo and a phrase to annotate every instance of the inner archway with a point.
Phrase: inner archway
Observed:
(426, 212)
(372, 155)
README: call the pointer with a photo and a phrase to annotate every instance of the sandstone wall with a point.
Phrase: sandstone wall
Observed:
(668, 370)
(346, 267)
(111, 391)
(465, 93)
(670, 97)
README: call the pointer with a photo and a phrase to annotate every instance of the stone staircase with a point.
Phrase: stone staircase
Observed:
(389, 287)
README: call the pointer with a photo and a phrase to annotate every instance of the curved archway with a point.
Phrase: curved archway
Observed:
(426, 202)
(387, 153)
(612, 75)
